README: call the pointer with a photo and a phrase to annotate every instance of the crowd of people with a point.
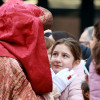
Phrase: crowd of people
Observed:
(39, 64)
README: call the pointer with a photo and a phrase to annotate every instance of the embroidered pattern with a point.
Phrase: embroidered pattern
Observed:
(13, 82)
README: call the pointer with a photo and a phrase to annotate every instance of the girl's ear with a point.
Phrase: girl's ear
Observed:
(76, 62)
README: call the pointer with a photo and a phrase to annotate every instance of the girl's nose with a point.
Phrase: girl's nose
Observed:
(58, 59)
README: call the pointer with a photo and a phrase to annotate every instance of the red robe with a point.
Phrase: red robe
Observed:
(22, 37)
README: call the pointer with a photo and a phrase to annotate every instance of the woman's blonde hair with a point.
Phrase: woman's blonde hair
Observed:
(49, 43)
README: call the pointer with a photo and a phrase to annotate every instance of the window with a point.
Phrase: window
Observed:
(64, 4)
(97, 4)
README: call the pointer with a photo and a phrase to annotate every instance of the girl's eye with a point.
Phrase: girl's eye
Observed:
(65, 56)
(54, 54)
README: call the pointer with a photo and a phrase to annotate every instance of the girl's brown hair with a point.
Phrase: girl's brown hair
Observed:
(72, 44)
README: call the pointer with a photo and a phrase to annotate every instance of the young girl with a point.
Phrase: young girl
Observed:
(94, 69)
(66, 53)
(57, 81)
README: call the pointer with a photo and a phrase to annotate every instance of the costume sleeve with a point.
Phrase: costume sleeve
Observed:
(13, 82)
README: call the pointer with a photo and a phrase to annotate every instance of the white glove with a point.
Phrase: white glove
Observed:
(63, 78)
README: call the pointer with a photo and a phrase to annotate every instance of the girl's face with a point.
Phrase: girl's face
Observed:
(93, 41)
(61, 58)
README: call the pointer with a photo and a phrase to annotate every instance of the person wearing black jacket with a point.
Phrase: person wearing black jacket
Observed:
(86, 55)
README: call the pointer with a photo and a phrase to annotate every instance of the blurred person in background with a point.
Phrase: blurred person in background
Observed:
(86, 36)
(94, 69)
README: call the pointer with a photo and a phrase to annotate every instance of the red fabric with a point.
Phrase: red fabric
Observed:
(22, 37)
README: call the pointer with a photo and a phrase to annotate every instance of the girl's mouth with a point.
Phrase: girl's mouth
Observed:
(57, 66)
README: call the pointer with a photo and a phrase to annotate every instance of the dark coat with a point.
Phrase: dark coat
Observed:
(86, 52)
